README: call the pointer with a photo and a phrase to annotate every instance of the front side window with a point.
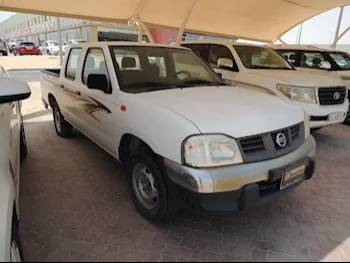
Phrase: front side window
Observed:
(144, 69)
(72, 63)
(254, 57)
(95, 63)
(290, 56)
(341, 59)
(218, 51)
(311, 60)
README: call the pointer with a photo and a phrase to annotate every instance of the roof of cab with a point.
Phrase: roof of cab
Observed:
(220, 42)
(301, 47)
(123, 43)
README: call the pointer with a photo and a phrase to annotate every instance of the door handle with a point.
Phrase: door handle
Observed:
(62, 86)
(78, 93)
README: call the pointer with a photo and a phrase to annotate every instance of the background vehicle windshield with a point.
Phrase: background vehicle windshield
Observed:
(55, 44)
(79, 41)
(261, 58)
(313, 59)
(142, 69)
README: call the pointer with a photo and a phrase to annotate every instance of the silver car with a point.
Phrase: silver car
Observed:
(49, 47)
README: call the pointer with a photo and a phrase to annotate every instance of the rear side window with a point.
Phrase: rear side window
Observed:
(72, 63)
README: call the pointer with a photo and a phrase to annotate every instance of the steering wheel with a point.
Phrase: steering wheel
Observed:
(183, 72)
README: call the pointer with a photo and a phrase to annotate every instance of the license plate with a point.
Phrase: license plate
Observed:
(293, 175)
(29, 48)
(335, 116)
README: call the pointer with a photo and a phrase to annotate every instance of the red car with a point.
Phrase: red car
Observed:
(25, 48)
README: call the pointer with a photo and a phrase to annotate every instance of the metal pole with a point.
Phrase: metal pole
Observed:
(184, 22)
(338, 38)
(146, 29)
(339, 23)
(140, 33)
(300, 32)
(59, 40)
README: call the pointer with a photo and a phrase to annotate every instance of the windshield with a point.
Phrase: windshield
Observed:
(54, 44)
(261, 58)
(79, 41)
(143, 69)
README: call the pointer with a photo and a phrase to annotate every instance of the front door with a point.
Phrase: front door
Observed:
(94, 108)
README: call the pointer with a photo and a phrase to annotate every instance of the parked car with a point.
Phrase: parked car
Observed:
(261, 68)
(323, 61)
(3, 47)
(13, 148)
(25, 48)
(70, 42)
(187, 140)
(12, 43)
(49, 47)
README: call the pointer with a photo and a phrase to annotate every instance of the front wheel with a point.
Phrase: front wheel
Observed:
(48, 53)
(63, 128)
(16, 252)
(148, 188)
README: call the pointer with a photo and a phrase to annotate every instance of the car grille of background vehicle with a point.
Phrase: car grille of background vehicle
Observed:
(331, 96)
(264, 146)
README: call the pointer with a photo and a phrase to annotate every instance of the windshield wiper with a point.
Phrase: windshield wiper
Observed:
(193, 82)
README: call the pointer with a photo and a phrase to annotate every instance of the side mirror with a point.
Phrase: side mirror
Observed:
(13, 90)
(325, 65)
(225, 63)
(98, 82)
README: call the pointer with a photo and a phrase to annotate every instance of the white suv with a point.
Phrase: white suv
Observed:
(323, 61)
(12, 149)
(323, 98)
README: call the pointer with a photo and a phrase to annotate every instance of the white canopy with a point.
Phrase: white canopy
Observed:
(260, 20)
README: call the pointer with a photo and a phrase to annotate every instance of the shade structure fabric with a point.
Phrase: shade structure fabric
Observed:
(260, 20)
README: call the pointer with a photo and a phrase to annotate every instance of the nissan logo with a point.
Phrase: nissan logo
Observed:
(281, 140)
(336, 95)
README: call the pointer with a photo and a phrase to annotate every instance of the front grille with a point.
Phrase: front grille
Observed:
(331, 96)
(265, 146)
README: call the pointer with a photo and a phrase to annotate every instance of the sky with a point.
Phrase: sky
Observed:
(318, 30)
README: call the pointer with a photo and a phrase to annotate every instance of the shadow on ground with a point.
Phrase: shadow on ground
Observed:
(75, 206)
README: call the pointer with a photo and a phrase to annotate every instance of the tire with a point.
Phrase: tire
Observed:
(160, 209)
(63, 128)
(48, 53)
(316, 129)
(16, 253)
(14, 53)
(23, 144)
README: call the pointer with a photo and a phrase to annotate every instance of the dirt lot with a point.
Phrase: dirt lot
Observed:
(75, 206)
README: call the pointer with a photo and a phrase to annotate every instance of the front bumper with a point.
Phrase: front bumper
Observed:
(319, 113)
(238, 187)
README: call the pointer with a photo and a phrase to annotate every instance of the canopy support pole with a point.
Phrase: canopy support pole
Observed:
(138, 10)
(338, 38)
(140, 33)
(59, 40)
(280, 40)
(184, 22)
(146, 29)
(338, 24)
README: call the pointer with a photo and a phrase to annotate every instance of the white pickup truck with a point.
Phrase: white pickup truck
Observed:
(323, 98)
(187, 140)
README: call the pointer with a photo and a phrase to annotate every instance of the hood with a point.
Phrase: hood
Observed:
(234, 111)
(298, 77)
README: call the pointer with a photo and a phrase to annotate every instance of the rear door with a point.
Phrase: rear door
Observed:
(68, 85)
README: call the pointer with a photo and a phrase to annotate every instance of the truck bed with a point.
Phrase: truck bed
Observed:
(49, 83)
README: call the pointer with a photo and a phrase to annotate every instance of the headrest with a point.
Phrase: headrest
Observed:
(90, 62)
(292, 57)
(128, 62)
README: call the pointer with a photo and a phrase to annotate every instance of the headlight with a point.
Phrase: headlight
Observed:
(210, 151)
(306, 125)
(301, 94)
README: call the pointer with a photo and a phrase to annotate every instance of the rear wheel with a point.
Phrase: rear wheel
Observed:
(48, 53)
(63, 128)
(16, 250)
(148, 187)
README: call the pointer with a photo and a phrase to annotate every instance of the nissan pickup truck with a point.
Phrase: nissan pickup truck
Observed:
(323, 98)
(187, 139)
